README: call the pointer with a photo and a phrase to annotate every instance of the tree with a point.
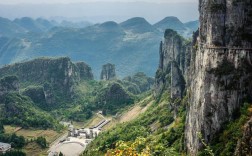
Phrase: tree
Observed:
(88, 114)
(17, 141)
(1, 127)
(14, 153)
(61, 154)
(41, 141)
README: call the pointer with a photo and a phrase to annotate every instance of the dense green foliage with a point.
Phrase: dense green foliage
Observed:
(163, 134)
(41, 141)
(138, 83)
(13, 139)
(14, 153)
(20, 110)
(36, 93)
(1, 127)
(7, 81)
(91, 96)
(85, 103)
(112, 97)
(56, 92)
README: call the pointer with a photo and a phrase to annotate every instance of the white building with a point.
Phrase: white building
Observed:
(4, 147)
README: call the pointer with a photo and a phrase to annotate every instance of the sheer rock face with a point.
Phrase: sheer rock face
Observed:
(108, 72)
(60, 73)
(226, 22)
(57, 76)
(173, 54)
(244, 146)
(221, 72)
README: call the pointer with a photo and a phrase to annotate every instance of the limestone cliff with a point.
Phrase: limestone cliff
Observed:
(57, 77)
(108, 72)
(173, 54)
(221, 72)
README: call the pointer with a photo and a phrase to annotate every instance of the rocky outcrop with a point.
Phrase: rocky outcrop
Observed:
(8, 84)
(244, 146)
(108, 72)
(221, 70)
(57, 76)
(85, 71)
(173, 54)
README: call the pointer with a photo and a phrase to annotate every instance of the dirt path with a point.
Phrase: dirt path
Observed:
(134, 112)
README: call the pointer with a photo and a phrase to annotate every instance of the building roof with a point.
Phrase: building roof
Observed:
(4, 146)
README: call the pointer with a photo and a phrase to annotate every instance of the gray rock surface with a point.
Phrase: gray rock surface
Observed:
(171, 65)
(108, 72)
(221, 71)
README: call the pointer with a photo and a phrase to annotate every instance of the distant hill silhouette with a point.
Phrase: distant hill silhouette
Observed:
(131, 45)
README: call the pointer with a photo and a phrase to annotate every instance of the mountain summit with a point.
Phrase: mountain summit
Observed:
(137, 25)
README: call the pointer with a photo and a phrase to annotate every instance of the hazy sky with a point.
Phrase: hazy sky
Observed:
(97, 11)
(78, 1)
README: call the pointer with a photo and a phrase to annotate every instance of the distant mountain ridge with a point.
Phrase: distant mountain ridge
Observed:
(171, 22)
(39, 25)
(137, 25)
(130, 45)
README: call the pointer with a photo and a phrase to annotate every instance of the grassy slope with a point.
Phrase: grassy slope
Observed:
(130, 113)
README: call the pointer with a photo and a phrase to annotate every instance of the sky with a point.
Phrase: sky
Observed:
(101, 10)
(81, 1)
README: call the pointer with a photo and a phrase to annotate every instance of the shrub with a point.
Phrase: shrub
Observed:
(42, 142)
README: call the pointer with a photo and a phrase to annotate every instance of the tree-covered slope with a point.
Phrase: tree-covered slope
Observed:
(17, 109)
(20, 110)
(155, 132)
